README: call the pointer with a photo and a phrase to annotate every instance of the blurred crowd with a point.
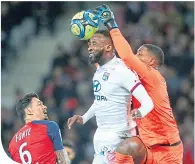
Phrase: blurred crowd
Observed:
(21, 21)
(67, 88)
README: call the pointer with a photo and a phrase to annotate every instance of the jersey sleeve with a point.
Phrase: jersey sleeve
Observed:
(126, 54)
(55, 135)
(145, 100)
(129, 79)
(89, 114)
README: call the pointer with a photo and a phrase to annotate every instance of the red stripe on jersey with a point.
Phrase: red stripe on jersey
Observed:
(135, 86)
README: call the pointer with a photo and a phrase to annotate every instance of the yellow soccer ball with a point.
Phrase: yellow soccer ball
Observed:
(83, 26)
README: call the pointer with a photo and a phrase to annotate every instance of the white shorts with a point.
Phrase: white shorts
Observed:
(105, 143)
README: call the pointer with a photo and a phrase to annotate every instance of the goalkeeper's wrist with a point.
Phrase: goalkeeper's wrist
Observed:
(111, 24)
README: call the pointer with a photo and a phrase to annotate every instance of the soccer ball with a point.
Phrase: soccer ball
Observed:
(83, 26)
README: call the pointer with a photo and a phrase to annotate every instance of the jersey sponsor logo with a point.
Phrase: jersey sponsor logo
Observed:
(96, 86)
(105, 76)
(100, 98)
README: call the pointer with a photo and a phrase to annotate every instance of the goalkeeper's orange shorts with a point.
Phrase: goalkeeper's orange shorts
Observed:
(158, 154)
(163, 154)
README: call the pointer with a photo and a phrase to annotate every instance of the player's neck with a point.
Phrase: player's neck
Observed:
(106, 59)
(27, 120)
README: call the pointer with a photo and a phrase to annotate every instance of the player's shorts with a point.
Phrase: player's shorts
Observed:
(105, 143)
(165, 154)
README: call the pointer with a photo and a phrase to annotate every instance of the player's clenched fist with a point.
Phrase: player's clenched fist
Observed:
(74, 119)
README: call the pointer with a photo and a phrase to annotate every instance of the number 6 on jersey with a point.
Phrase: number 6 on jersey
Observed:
(23, 153)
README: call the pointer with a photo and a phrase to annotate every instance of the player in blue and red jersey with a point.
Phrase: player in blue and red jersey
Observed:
(39, 140)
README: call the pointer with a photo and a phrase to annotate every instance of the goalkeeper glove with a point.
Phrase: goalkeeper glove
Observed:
(105, 16)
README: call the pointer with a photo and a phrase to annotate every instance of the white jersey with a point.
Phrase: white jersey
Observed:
(112, 85)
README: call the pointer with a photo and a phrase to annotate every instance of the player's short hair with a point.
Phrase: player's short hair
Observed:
(157, 52)
(23, 103)
(104, 32)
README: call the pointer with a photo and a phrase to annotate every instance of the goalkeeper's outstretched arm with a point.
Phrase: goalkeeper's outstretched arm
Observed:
(126, 54)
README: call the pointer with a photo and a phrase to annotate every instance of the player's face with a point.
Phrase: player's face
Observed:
(39, 111)
(96, 48)
(144, 55)
(70, 152)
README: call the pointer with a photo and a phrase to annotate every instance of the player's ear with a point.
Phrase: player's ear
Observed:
(152, 62)
(28, 111)
(108, 48)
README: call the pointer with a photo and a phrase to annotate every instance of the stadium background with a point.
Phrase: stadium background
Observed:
(39, 54)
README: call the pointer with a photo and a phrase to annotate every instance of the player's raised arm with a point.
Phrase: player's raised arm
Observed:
(55, 134)
(105, 15)
(126, 54)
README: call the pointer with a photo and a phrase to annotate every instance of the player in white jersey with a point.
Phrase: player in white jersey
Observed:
(113, 85)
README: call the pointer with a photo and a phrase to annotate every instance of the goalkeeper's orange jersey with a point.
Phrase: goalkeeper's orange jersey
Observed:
(159, 126)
